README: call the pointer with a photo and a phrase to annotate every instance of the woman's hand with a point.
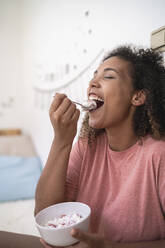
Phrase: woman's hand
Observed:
(46, 245)
(87, 240)
(64, 117)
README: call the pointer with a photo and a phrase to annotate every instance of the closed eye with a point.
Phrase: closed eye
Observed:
(108, 77)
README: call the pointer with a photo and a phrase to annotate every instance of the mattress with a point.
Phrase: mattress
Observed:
(18, 217)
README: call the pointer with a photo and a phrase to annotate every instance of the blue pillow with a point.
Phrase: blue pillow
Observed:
(18, 177)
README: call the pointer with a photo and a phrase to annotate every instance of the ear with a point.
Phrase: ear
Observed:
(139, 98)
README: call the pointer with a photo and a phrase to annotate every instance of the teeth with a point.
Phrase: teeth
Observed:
(96, 98)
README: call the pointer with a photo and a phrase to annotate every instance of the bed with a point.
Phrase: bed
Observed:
(20, 168)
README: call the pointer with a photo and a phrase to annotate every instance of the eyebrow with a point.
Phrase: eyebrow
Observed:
(108, 69)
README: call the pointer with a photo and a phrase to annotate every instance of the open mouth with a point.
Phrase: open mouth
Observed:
(99, 101)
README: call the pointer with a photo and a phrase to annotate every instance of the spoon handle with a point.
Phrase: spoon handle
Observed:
(89, 105)
(83, 106)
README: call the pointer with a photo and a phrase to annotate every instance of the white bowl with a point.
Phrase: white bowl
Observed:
(61, 236)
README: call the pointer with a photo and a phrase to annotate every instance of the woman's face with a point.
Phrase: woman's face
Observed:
(112, 84)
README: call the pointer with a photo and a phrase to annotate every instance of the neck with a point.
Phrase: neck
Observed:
(121, 139)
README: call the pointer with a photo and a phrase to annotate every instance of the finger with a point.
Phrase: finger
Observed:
(63, 107)
(76, 115)
(58, 98)
(71, 112)
(89, 239)
(80, 235)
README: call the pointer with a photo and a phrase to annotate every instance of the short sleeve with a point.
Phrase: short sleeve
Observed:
(161, 180)
(73, 172)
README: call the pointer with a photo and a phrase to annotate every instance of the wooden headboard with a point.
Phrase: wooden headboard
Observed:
(10, 132)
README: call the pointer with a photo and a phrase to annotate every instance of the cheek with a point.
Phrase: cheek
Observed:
(117, 104)
(112, 96)
(116, 94)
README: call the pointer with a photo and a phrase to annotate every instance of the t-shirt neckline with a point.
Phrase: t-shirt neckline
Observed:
(130, 149)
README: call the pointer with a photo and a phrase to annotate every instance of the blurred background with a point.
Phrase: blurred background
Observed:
(42, 40)
(49, 46)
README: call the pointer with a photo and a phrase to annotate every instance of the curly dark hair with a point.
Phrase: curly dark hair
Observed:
(147, 71)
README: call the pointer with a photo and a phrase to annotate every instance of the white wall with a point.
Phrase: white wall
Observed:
(10, 65)
(57, 32)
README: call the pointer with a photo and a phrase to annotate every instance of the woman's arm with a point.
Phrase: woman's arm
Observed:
(51, 185)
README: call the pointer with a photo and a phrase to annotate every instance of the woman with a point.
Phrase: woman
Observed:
(117, 166)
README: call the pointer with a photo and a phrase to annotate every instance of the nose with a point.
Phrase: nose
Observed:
(94, 83)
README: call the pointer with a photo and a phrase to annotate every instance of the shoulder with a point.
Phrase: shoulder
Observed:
(153, 145)
(155, 149)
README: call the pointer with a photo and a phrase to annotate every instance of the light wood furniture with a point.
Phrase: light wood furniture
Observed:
(10, 132)
(158, 39)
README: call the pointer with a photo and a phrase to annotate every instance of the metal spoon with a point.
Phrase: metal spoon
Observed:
(87, 105)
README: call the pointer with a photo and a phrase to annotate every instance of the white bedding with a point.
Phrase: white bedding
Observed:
(17, 216)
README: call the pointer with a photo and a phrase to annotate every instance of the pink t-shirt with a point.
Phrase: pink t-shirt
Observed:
(125, 190)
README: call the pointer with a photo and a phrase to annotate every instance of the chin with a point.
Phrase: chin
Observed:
(95, 125)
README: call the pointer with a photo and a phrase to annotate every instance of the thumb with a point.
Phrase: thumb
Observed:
(81, 235)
